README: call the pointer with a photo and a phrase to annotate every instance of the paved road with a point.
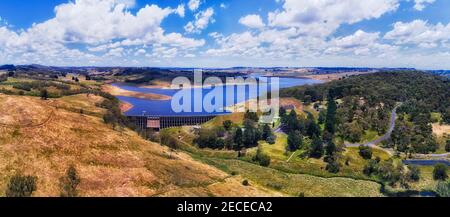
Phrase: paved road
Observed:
(373, 144)
(385, 136)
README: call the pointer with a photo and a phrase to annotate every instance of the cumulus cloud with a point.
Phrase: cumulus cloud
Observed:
(202, 20)
(101, 25)
(420, 33)
(194, 4)
(421, 4)
(323, 17)
(252, 21)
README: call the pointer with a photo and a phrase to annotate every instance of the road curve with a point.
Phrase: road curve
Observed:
(382, 138)
(373, 144)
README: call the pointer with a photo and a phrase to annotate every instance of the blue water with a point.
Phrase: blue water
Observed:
(426, 162)
(164, 108)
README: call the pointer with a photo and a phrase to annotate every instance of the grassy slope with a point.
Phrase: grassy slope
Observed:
(110, 162)
(287, 180)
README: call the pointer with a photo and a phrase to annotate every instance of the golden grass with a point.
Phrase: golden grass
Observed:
(236, 118)
(110, 162)
(294, 184)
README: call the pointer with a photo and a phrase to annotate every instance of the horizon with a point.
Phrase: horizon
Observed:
(224, 34)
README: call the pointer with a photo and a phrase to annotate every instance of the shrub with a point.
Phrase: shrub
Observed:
(365, 152)
(443, 189)
(69, 183)
(333, 167)
(21, 186)
(440, 172)
(245, 183)
(227, 125)
(261, 158)
(271, 139)
(447, 146)
(413, 173)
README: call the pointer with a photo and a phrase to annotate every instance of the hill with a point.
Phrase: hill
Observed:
(44, 137)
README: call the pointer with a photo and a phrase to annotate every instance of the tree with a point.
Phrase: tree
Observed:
(313, 129)
(21, 186)
(266, 132)
(238, 139)
(333, 167)
(261, 158)
(282, 112)
(251, 116)
(251, 134)
(316, 148)
(330, 149)
(227, 125)
(44, 94)
(294, 140)
(413, 173)
(440, 172)
(271, 139)
(370, 168)
(330, 122)
(365, 152)
(69, 183)
(322, 116)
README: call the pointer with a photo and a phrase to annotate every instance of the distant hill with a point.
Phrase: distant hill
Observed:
(8, 67)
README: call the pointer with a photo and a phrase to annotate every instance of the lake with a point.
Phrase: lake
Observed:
(164, 108)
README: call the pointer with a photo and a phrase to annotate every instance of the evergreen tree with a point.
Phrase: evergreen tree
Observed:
(316, 149)
(330, 122)
(294, 140)
(238, 139)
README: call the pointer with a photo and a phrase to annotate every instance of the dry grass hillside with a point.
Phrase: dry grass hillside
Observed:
(43, 138)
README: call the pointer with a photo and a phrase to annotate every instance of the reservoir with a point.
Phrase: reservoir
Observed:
(164, 108)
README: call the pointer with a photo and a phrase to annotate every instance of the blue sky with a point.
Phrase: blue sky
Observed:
(225, 33)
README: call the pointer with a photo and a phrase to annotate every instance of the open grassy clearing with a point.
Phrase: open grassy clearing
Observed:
(295, 184)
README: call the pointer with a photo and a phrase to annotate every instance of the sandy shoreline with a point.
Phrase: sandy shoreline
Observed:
(116, 91)
(125, 106)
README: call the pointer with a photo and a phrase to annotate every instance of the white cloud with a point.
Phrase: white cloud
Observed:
(202, 20)
(223, 6)
(252, 21)
(127, 3)
(180, 10)
(99, 25)
(360, 43)
(194, 4)
(419, 32)
(323, 17)
(421, 4)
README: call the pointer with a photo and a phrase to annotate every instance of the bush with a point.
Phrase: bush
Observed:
(443, 189)
(261, 158)
(447, 146)
(227, 125)
(333, 167)
(414, 173)
(371, 168)
(245, 183)
(69, 183)
(21, 186)
(271, 139)
(440, 172)
(365, 152)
